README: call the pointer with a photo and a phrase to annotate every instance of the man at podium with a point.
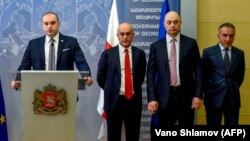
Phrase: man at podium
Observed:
(53, 51)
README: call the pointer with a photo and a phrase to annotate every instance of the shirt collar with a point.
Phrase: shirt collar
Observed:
(56, 38)
(169, 38)
(121, 48)
(222, 48)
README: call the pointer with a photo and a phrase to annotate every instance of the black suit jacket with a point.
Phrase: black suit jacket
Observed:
(158, 74)
(109, 75)
(69, 52)
(217, 81)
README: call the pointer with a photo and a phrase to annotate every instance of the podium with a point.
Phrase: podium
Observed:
(49, 105)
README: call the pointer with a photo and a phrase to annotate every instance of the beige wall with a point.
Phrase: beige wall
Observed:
(211, 13)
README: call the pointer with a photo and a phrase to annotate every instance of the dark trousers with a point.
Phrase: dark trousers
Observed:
(125, 111)
(177, 112)
(214, 114)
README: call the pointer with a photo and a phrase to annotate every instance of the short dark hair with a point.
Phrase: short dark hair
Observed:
(230, 25)
(50, 12)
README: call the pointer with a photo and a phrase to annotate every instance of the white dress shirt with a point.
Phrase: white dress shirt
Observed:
(46, 49)
(122, 64)
(177, 45)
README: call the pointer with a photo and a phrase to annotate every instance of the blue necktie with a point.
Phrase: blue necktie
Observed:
(226, 59)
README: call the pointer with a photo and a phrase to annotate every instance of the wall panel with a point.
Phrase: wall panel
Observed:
(210, 14)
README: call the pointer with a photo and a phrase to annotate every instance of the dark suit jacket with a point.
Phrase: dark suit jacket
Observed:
(217, 81)
(158, 74)
(69, 52)
(109, 75)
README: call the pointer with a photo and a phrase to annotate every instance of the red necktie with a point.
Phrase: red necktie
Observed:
(128, 79)
(172, 64)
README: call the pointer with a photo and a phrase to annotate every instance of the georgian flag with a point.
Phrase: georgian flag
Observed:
(110, 42)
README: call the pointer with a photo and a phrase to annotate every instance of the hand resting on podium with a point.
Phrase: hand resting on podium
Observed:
(17, 84)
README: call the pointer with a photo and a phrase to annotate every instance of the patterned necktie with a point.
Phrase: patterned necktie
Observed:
(128, 77)
(172, 64)
(226, 59)
(52, 55)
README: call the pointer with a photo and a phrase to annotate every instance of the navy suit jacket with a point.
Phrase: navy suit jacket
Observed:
(158, 74)
(69, 52)
(217, 80)
(109, 75)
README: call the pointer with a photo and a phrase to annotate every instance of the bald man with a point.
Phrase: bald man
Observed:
(111, 78)
(173, 92)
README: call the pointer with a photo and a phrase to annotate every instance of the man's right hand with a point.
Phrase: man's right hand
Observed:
(152, 106)
(88, 80)
(15, 84)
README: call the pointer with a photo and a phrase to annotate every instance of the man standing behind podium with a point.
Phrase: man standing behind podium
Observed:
(66, 51)
(122, 84)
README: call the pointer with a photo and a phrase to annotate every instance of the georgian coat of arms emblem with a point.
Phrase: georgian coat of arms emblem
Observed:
(50, 101)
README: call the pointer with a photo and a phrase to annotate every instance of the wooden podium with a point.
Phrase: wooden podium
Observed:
(44, 115)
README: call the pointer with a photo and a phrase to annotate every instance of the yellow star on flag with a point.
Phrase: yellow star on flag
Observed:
(2, 119)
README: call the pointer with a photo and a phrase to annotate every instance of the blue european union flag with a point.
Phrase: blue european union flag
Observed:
(164, 10)
(3, 126)
(162, 33)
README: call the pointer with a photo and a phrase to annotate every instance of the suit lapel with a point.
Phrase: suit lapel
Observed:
(116, 59)
(42, 49)
(134, 59)
(181, 48)
(233, 59)
(60, 47)
(164, 50)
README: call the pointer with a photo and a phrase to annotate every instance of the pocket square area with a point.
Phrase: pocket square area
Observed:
(66, 49)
